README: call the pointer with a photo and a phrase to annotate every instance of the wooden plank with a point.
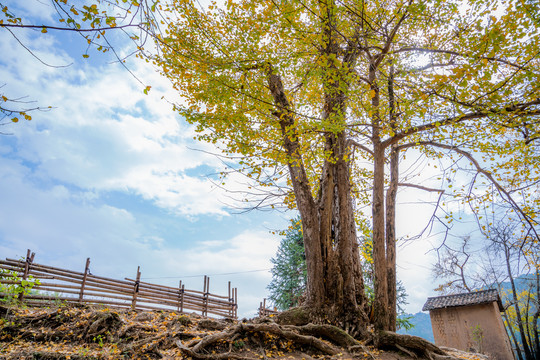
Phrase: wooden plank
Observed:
(168, 288)
(79, 275)
(89, 282)
(52, 268)
(235, 303)
(54, 285)
(15, 263)
(158, 287)
(39, 273)
(110, 289)
(18, 269)
(58, 290)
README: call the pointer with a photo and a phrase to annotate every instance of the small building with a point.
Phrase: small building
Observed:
(470, 322)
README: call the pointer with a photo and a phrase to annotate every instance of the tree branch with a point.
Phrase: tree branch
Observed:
(455, 53)
(519, 109)
(420, 187)
(505, 194)
(359, 146)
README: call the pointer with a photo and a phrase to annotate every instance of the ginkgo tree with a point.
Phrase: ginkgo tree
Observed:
(94, 21)
(332, 93)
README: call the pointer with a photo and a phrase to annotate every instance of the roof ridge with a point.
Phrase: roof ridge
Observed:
(463, 299)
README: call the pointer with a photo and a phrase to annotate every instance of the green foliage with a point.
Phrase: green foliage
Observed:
(239, 344)
(289, 271)
(12, 285)
(478, 338)
(421, 323)
(98, 340)
(404, 322)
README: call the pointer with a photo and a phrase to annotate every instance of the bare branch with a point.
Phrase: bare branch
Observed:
(420, 187)
(504, 193)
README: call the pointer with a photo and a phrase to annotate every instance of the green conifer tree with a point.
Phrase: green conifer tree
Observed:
(289, 270)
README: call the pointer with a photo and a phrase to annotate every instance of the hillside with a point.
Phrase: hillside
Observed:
(85, 333)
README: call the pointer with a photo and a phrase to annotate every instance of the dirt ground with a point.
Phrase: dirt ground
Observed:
(81, 332)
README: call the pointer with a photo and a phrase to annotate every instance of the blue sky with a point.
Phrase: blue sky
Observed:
(115, 175)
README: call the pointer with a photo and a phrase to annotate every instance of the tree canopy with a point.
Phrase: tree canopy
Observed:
(332, 94)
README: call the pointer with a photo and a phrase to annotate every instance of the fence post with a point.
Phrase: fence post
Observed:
(235, 292)
(230, 305)
(136, 288)
(29, 259)
(180, 306)
(205, 295)
(86, 271)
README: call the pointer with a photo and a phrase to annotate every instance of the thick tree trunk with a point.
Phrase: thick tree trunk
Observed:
(335, 285)
(342, 288)
(335, 288)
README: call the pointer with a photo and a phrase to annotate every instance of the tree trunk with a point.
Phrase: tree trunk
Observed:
(391, 195)
(512, 336)
(380, 281)
(334, 288)
(391, 239)
(342, 289)
(519, 319)
(536, 316)
(380, 270)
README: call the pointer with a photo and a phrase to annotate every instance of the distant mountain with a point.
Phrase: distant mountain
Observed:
(422, 326)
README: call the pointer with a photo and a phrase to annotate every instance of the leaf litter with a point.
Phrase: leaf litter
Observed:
(90, 332)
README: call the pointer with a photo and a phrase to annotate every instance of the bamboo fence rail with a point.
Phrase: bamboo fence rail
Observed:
(61, 285)
(264, 311)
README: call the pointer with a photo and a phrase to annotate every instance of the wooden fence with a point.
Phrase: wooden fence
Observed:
(60, 285)
(264, 311)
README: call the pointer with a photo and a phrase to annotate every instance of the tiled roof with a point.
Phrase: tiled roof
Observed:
(472, 298)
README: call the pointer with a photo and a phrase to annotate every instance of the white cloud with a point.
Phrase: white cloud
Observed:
(104, 137)
(63, 230)
(104, 134)
(36, 10)
(235, 258)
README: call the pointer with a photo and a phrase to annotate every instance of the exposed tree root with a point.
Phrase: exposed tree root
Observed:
(90, 333)
(333, 333)
(414, 346)
(227, 355)
(287, 333)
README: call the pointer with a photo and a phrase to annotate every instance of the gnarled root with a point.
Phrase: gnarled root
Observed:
(295, 334)
(413, 346)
